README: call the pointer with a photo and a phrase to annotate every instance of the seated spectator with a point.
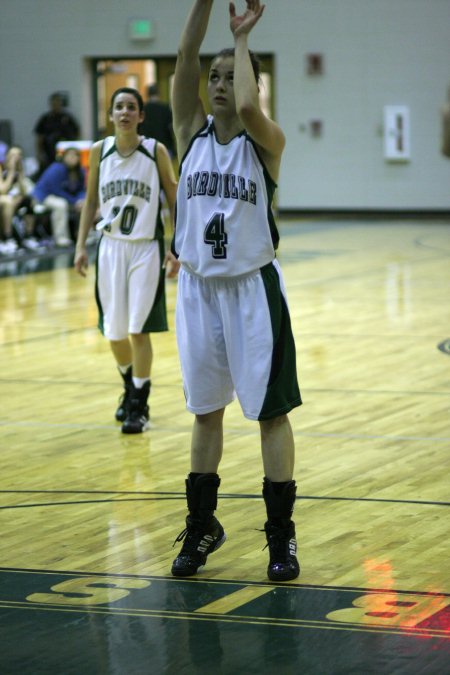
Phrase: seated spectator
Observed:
(57, 124)
(16, 201)
(61, 188)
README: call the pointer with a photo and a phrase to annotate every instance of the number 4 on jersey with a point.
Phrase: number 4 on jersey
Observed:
(216, 236)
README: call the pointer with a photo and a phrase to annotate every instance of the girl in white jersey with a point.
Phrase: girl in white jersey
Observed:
(126, 175)
(232, 321)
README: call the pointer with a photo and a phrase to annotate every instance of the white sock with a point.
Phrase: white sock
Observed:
(123, 369)
(140, 381)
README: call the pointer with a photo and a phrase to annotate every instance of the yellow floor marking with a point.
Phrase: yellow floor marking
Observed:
(234, 600)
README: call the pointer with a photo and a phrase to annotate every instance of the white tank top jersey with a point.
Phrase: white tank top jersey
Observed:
(224, 225)
(129, 192)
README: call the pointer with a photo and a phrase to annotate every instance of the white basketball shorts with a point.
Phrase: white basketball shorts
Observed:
(130, 289)
(234, 337)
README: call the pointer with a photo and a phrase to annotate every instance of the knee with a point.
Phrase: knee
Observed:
(213, 419)
(58, 205)
(268, 426)
(139, 339)
(118, 343)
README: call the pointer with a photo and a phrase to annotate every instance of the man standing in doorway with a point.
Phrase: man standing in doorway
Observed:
(158, 120)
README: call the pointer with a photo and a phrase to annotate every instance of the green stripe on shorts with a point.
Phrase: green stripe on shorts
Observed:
(156, 321)
(283, 392)
(100, 323)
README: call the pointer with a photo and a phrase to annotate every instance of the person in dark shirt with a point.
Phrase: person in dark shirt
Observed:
(157, 122)
(53, 126)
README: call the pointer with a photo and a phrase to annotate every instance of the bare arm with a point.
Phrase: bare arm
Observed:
(21, 180)
(88, 211)
(264, 131)
(169, 186)
(6, 183)
(14, 171)
(167, 177)
(188, 112)
(445, 147)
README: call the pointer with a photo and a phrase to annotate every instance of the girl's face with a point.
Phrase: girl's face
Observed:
(71, 158)
(125, 113)
(220, 86)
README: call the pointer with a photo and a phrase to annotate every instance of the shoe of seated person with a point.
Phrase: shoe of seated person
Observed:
(10, 246)
(31, 243)
(63, 242)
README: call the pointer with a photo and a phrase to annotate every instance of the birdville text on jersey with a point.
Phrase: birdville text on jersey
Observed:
(228, 185)
(125, 186)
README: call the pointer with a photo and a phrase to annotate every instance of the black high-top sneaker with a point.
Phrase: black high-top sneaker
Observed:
(137, 419)
(203, 533)
(280, 530)
(124, 399)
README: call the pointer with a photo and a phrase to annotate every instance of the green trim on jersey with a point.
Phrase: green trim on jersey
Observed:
(271, 187)
(283, 392)
(159, 226)
(113, 149)
(156, 321)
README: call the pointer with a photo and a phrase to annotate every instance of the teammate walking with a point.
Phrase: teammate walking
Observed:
(126, 175)
(232, 320)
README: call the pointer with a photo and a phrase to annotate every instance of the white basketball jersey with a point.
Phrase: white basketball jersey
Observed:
(129, 192)
(224, 223)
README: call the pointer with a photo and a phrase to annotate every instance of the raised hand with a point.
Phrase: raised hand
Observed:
(242, 24)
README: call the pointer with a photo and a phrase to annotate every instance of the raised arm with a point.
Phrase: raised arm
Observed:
(188, 111)
(264, 131)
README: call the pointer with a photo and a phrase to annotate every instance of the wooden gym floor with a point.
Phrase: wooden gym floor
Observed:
(88, 516)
